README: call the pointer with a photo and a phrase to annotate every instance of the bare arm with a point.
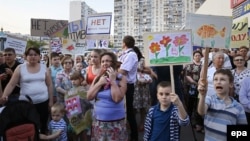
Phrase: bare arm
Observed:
(94, 88)
(190, 80)
(202, 106)
(177, 102)
(118, 91)
(49, 84)
(50, 137)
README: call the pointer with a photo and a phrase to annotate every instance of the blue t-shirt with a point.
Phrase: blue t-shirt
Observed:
(161, 124)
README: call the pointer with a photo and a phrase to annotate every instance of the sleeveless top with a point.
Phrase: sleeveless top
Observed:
(90, 75)
(105, 109)
(33, 84)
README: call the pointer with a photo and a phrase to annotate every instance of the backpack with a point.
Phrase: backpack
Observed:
(20, 121)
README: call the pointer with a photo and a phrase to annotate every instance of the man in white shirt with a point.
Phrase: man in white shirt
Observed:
(128, 68)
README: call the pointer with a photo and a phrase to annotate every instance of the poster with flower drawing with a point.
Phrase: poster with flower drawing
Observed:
(168, 48)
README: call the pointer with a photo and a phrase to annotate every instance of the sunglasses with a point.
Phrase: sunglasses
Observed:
(237, 60)
(67, 63)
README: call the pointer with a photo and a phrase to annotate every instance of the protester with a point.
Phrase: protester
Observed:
(244, 96)
(239, 73)
(35, 81)
(192, 76)
(219, 109)
(54, 69)
(63, 83)
(142, 93)
(6, 72)
(128, 68)
(108, 90)
(57, 124)
(164, 119)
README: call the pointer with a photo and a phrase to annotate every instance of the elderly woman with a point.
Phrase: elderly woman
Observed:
(218, 62)
(239, 73)
(35, 81)
(63, 82)
(108, 89)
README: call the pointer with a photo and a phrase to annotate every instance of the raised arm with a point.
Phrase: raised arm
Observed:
(202, 106)
(118, 91)
(49, 84)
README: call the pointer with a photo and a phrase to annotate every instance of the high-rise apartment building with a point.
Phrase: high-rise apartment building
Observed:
(134, 17)
(79, 10)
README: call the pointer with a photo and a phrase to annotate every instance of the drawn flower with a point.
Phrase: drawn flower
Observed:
(155, 48)
(179, 41)
(165, 42)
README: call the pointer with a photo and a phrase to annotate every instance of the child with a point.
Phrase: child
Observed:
(57, 123)
(220, 110)
(168, 115)
(78, 107)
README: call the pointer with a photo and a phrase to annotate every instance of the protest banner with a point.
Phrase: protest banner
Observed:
(167, 49)
(210, 31)
(239, 35)
(49, 28)
(78, 110)
(16, 43)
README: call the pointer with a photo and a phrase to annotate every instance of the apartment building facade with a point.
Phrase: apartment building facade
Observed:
(134, 17)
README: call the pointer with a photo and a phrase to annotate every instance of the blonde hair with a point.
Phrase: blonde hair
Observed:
(58, 107)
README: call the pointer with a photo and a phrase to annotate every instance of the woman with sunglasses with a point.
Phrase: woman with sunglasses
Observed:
(239, 73)
(62, 82)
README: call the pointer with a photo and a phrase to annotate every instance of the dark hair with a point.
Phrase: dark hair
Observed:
(226, 72)
(99, 51)
(67, 58)
(37, 51)
(10, 50)
(163, 84)
(238, 55)
(129, 41)
(197, 52)
(113, 57)
(138, 53)
(244, 47)
(54, 54)
(75, 75)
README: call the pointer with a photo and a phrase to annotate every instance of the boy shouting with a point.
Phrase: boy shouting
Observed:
(220, 110)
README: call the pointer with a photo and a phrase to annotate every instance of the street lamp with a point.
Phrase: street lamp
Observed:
(3, 38)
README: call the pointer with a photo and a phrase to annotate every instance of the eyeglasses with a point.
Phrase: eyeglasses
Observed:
(7, 54)
(67, 63)
(237, 60)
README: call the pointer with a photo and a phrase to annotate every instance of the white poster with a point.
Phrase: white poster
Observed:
(99, 24)
(18, 44)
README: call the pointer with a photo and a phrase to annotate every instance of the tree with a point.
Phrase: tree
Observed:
(34, 43)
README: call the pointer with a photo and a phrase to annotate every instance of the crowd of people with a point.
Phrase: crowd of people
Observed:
(112, 89)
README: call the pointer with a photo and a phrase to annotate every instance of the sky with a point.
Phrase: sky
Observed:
(16, 14)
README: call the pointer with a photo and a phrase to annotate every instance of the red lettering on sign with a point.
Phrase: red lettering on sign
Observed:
(235, 3)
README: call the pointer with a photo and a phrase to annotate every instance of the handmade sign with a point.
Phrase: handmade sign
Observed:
(210, 31)
(239, 35)
(170, 47)
(78, 110)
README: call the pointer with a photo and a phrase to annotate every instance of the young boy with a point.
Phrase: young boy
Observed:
(220, 110)
(57, 123)
(163, 120)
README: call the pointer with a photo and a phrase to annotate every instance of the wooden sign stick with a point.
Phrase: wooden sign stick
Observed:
(172, 78)
(203, 75)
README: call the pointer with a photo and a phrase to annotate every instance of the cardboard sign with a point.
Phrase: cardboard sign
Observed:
(16, 43)
(99, 24)
(239, 35)
(49, 28)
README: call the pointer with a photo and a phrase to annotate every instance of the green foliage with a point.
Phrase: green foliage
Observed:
(33, 43)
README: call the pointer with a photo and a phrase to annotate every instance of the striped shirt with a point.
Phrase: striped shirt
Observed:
(219, 115)
(174, 126)
(60, 125)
